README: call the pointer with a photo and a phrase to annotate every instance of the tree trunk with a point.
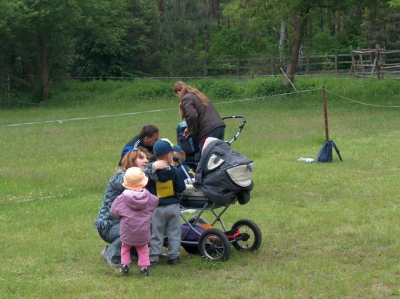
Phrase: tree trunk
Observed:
(282, 37)
(44, 68)
(339, 19)
(295, 48)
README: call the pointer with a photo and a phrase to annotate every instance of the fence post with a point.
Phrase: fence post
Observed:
(272, 65)
(237, 67)
(336, 63)
(377, 60)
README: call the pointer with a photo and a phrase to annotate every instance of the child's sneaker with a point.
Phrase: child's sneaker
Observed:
(172, 262)
(144, 272)
(124, 270)
(154, 263)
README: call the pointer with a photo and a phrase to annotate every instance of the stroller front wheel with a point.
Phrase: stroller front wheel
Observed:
(249, 238)
(214, 245)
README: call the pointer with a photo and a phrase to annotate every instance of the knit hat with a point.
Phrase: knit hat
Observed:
(164, 146)
(134, 178)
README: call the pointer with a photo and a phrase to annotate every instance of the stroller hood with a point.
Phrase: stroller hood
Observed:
(223, 173)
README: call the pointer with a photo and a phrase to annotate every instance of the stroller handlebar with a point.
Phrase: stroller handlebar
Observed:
(241, 126)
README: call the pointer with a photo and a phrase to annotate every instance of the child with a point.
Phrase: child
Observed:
(182, 158)
(134, 207)
(166, 217)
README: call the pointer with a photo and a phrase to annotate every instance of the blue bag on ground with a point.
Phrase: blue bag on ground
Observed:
(325, 153)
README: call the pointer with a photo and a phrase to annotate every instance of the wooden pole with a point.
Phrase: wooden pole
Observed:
(288, 79)
(325, 113)
(376, 62)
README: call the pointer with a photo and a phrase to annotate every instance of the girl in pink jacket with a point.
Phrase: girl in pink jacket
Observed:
(134, 207)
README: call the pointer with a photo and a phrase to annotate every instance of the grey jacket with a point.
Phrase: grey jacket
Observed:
(200, 119)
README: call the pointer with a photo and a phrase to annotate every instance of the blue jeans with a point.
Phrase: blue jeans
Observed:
(111, 235)
(218, 132)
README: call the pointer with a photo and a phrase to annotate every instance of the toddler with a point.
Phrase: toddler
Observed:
(134, 207)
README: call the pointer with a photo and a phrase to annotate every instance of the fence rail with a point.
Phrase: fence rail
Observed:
(307, 64)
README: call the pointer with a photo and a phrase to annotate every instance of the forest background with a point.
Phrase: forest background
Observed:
(43, 42)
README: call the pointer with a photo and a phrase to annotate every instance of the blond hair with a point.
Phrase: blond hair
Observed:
(181, 155)
(184, 89)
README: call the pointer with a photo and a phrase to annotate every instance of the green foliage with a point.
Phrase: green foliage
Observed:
(394, 3)
(223, 89)
(270, 87)
(148, 90)
(115, 39)
(323, 42)
(234, 39)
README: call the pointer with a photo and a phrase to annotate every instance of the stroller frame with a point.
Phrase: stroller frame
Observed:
(213, 243)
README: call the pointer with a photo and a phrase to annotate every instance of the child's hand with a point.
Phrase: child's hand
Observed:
(161, 164)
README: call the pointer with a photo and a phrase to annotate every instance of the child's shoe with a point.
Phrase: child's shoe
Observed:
(154, 263)
(144, 272)
(124, 270)
(173, 262)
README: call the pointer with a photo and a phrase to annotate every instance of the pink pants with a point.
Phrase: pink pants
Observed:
(143, 255)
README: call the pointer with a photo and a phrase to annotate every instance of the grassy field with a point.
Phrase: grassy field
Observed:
(329, 230)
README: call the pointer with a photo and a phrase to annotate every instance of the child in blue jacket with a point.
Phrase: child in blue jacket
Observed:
(165, 184)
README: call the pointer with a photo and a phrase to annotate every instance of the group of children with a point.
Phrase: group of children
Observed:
(149, 209)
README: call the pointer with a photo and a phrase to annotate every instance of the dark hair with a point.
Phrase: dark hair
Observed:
(148, 131)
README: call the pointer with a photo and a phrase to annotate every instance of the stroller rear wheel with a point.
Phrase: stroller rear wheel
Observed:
(214, 245)
(249, 238)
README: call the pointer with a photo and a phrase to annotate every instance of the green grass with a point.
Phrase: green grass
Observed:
(329, 230)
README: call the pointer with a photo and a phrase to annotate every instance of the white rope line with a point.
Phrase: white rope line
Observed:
(361, 103)
(85, 118)
(218, 103)
(309, 133)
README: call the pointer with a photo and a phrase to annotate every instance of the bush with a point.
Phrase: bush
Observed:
(223, 89)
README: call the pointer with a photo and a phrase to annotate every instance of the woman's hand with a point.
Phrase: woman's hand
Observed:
(186, 133)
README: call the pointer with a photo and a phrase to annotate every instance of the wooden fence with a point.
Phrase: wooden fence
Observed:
(309, 64)
(375, 62)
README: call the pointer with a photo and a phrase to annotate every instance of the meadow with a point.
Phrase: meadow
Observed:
(330, 230)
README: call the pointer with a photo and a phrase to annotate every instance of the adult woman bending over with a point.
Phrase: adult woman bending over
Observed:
(107, 226)
(201, 117)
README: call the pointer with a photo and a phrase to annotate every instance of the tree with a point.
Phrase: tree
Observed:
(114, 38)
(183, 25)
(290, 16)
(47, 37)
(37, 33)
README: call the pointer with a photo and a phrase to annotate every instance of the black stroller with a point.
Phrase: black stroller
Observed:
(223, 178)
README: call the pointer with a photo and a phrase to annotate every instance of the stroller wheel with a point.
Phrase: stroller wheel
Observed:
(249, 238)
(214, 245)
